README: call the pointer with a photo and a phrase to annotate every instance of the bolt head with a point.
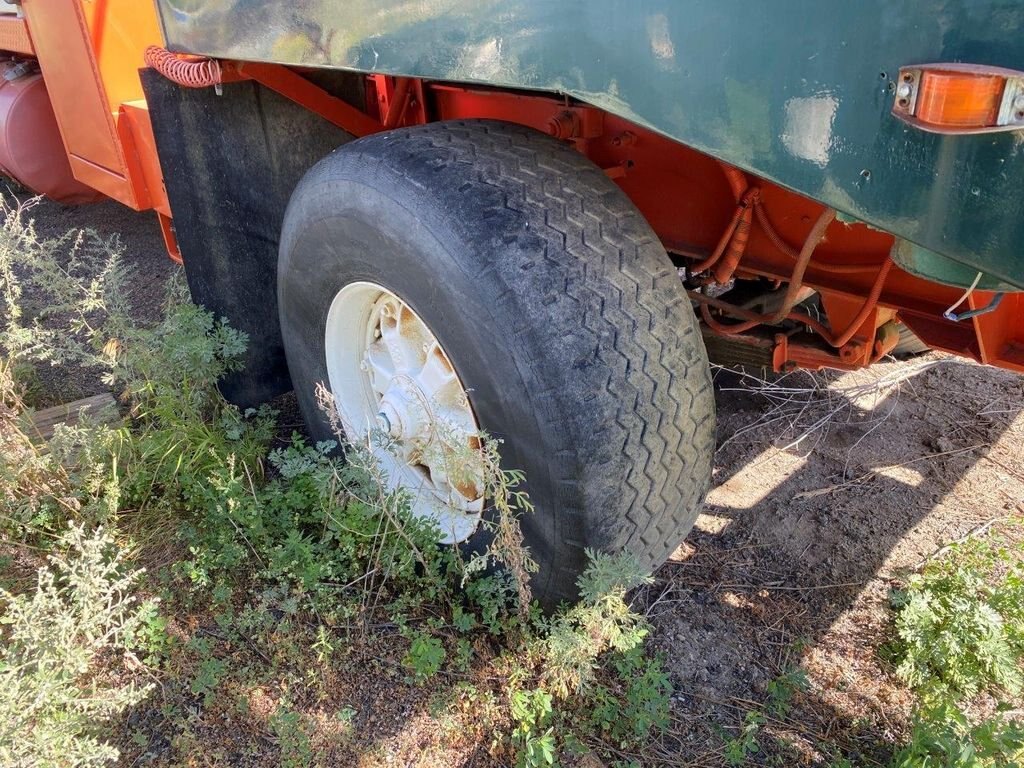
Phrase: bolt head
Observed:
(389, 421)
(904, 91)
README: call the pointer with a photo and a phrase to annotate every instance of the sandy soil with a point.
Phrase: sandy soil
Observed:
(826, 487)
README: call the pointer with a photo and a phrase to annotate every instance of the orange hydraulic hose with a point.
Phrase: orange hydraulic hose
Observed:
(734, 239)
(869, 304)
(723, 242)
(738, 242)
(732, 245)
(788, 250)
(737, 180)
(753, 318)
(815, 236)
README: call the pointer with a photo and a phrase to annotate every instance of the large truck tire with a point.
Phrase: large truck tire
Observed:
(485, 259)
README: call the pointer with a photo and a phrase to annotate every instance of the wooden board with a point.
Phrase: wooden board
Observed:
(101, 407)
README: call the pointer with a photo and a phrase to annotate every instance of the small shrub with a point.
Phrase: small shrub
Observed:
(740, 749)
(318, 526)
(601, 621)
(425, 657)
(80, 294)
(959, 631)
(628, 711)
(57, 689)
(533, 736)
(292, 737)
(784, 688)
(184, 430)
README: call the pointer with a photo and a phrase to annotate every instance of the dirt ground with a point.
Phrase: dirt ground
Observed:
(826, 488)
(800, 542)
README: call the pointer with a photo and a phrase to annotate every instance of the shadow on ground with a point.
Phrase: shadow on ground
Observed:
(792, 562)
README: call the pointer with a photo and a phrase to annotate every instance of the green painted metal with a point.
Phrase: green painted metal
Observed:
(797, 91)
(932, 266)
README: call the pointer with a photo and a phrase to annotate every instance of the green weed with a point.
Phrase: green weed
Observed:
(533, 736)
(958, 631)
(425, 657)
(959, 628)
(635, 703)
(943, 736)
(742, 747)
(292, 738)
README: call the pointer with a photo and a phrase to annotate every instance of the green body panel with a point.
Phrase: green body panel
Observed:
(920, 261)
(795, 91)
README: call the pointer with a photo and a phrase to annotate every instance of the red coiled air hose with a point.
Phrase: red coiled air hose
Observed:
(189, 72)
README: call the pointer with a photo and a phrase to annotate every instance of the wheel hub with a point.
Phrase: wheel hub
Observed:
(404, 414)
(390, 376)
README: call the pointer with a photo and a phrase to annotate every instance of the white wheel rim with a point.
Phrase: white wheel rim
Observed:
(389, 375)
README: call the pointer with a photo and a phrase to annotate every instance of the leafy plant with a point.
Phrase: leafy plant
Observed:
(601, 621)
(782, 690)
(533, 736)
(958, 632)
(425, 657)
(208, 678)
(636, 704)
(293, 740)
(741, 748)
(943, 737)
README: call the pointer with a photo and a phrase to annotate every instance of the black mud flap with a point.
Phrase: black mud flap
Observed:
(230, 163)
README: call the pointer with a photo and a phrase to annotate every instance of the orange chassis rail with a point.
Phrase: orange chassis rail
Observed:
(707, 215)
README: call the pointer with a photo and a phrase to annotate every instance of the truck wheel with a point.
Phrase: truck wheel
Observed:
(482, 275)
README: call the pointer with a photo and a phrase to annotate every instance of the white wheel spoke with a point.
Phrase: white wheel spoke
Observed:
(403, 357)
(381, 366)
(437, 377)
(461, 482)
(455, 418)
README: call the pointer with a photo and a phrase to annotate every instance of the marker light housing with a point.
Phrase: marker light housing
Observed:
(960, 98)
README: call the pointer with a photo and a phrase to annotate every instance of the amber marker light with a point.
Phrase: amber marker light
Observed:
(960, 98)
